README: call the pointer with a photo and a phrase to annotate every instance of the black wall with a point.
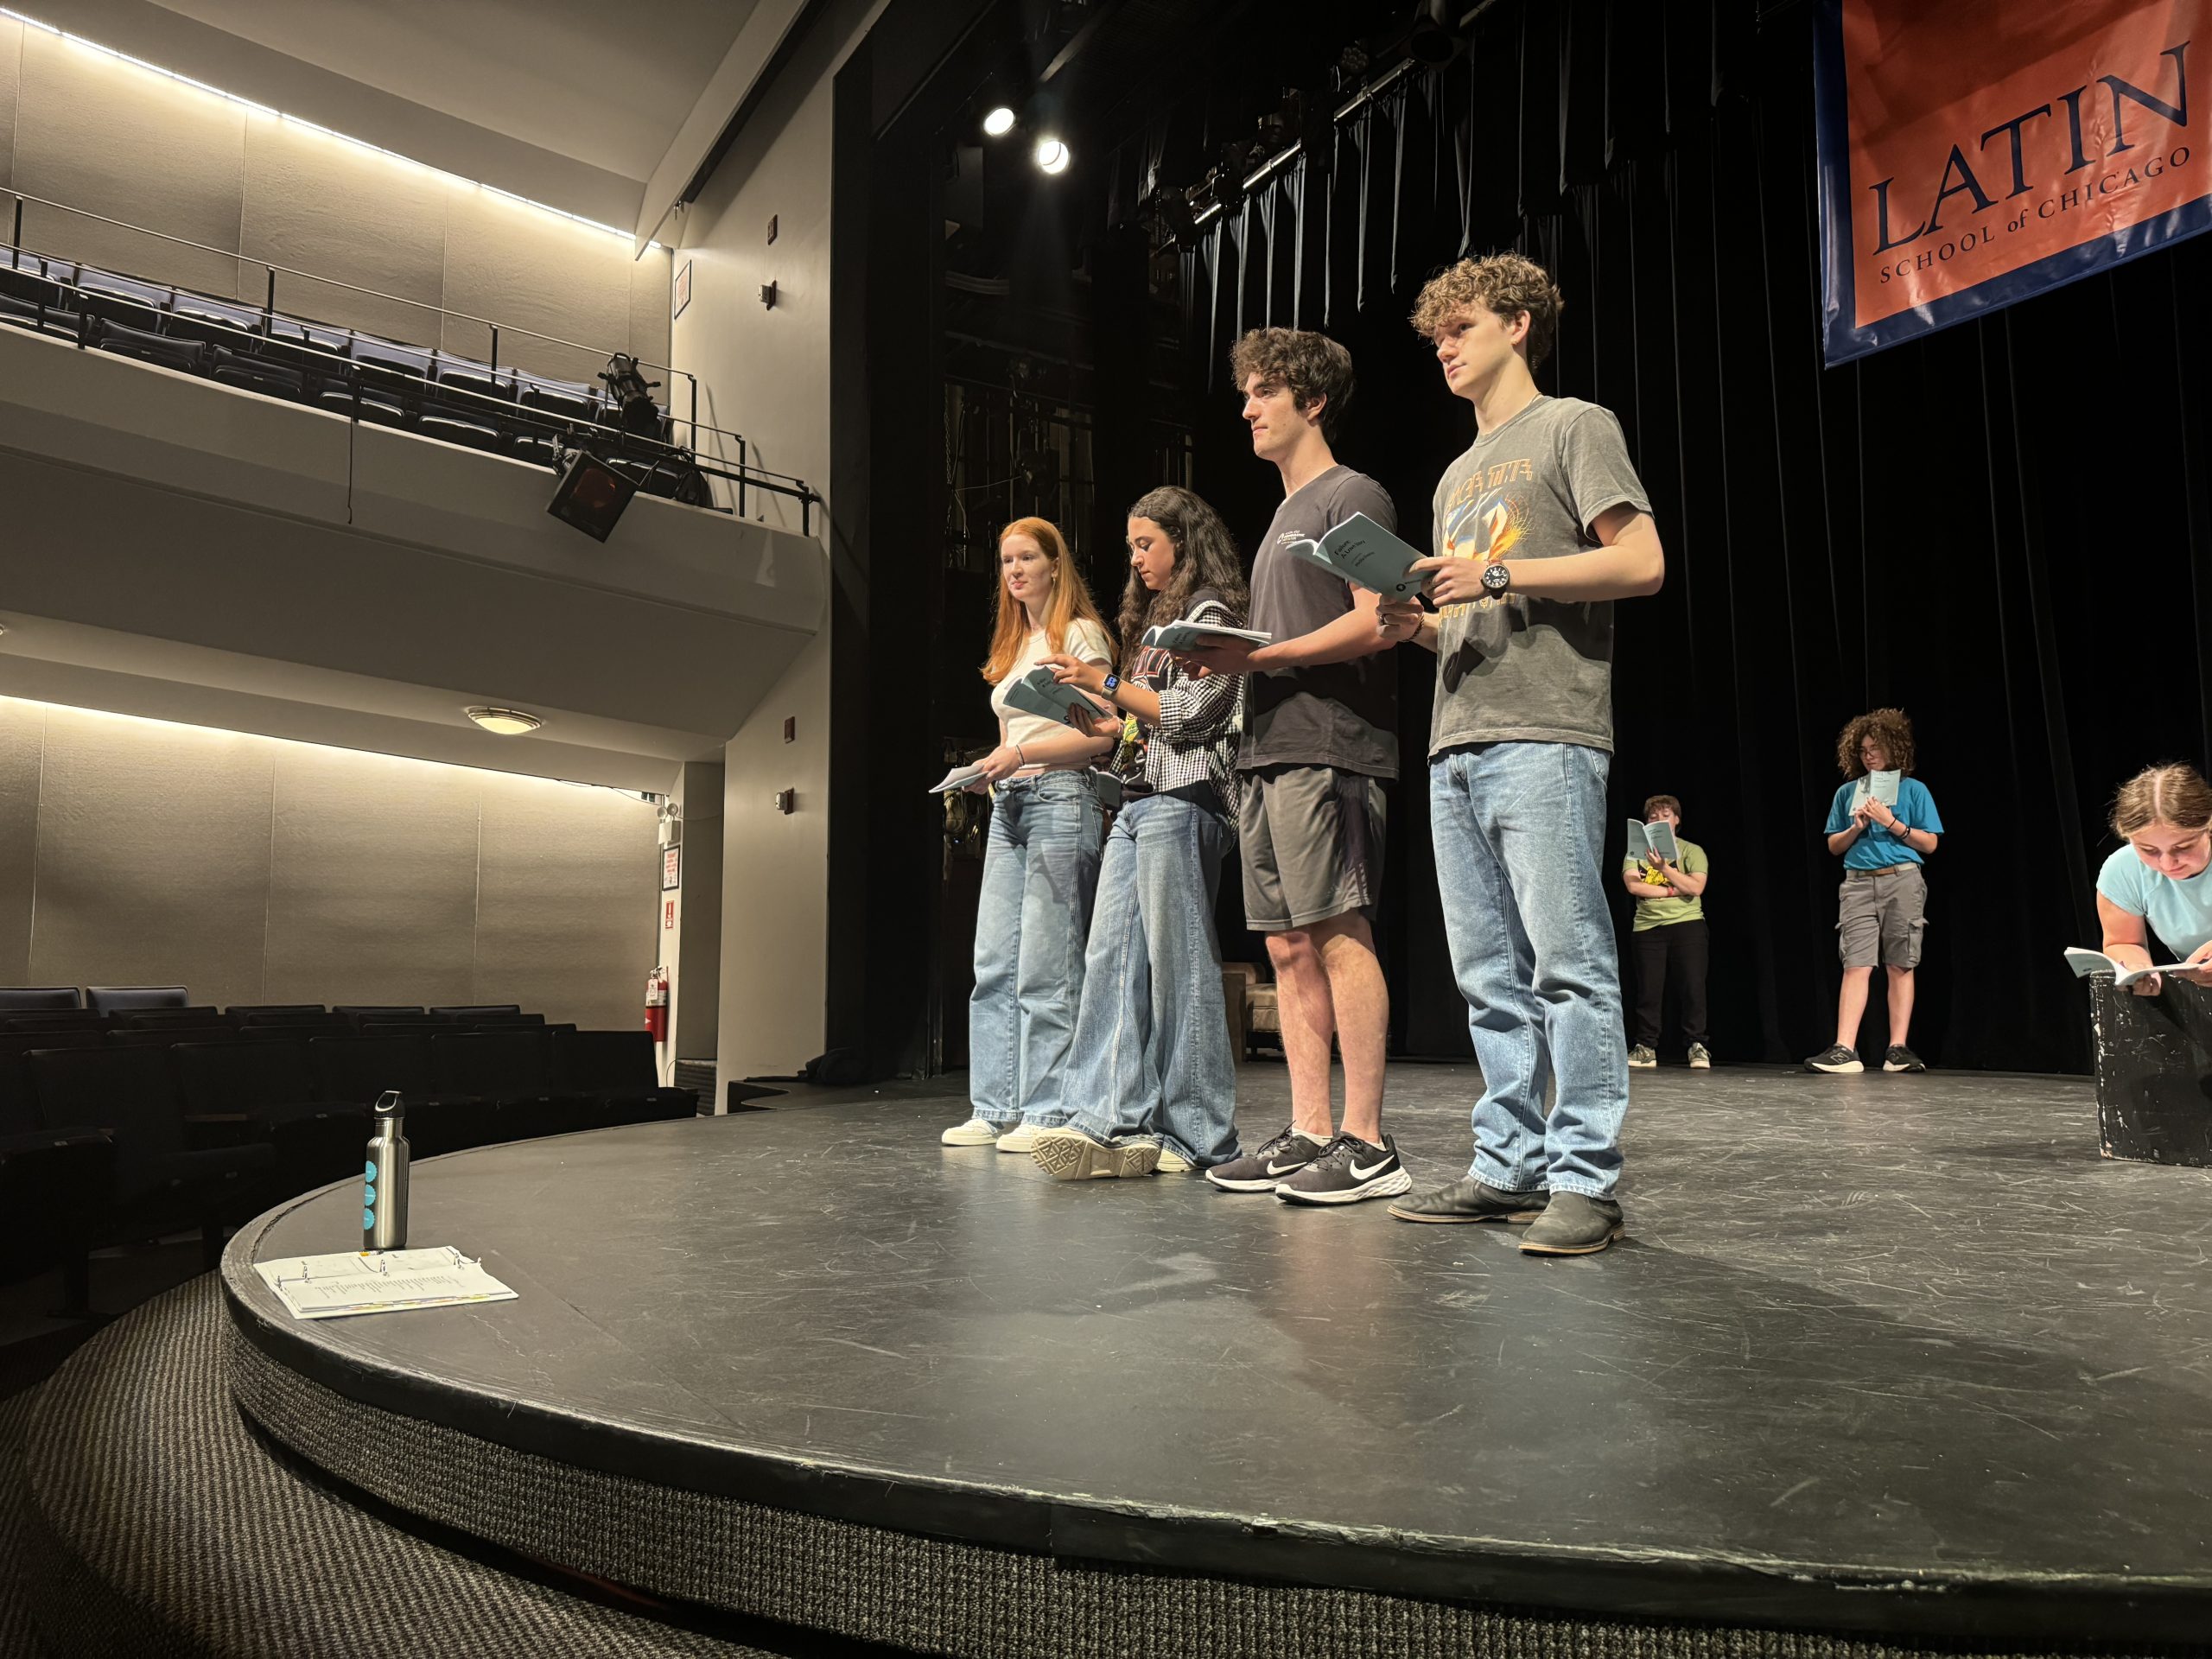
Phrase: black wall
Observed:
(2000, 529)
(2005, 529)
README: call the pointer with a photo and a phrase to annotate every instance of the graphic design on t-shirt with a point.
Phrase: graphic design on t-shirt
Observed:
(1485, 520)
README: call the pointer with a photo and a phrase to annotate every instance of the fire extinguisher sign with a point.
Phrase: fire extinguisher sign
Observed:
(668, 912)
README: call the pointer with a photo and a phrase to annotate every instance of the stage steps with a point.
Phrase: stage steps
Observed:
(140, 1516)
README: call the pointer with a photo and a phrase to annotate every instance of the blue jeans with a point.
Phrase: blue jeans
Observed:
(1040, 867)
(1152, 1052)
(1519, 831)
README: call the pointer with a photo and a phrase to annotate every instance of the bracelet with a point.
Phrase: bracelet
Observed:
(1020, 758)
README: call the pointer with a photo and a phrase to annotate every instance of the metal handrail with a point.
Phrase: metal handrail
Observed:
(17, 243)
(354, 373)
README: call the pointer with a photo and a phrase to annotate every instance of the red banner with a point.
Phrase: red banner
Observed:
(1973, 152)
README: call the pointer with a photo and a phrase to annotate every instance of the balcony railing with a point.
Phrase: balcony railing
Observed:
(424, 389)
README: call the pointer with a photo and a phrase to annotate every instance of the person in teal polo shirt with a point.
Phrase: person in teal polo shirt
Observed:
(1884, 905)
(2161, 881)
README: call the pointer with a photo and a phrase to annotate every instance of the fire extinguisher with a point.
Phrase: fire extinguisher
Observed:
(657, 1004)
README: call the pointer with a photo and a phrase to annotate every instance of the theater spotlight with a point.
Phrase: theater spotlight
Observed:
(999, 123)
(591, 495)
(1051, 155)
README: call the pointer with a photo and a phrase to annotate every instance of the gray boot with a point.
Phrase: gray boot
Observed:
(1572, 1225)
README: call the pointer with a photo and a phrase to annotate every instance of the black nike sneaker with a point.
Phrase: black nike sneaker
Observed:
(1347, 1170)
(1258, 1172)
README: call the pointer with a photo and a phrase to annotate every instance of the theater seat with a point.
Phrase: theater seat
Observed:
(355, 1071)
(614, 1074)
(111, 999)
(238, 1091)
(122, 300)
(54, 1183)
(451, 429)
(514, 1069)
(193, 317)
(251, 374)
(166, 1036)
(28, 999)
(55, 1020)
(161, 1183)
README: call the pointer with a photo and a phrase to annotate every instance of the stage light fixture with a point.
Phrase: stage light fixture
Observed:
(999, 123)
(1051, 155)
(591, 495)
(504, 722)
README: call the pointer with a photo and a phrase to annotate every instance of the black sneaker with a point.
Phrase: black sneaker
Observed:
(1572, 1225)
(1468, 1199)
(1258, 1172)
(1835, 1060)
(1901, 1058)
(1348, 1170)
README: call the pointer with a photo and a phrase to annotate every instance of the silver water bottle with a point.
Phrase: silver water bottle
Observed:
(383, 1187)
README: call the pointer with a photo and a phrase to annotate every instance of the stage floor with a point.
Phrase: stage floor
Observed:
(1890, 1353)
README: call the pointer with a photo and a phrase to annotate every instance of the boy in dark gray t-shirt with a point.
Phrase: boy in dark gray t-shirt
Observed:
(1540, 526)
(1320, 737)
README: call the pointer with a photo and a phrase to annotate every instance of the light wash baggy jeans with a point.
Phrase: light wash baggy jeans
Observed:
(1519, 832)
(1040, 867)
(1151, 1051)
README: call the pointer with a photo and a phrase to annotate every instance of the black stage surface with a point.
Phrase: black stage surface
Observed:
(1886, 1354)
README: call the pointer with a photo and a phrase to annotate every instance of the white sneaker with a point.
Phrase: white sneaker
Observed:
(1700, 1058)
(1173, 1163)
(1023, 1137)
(975, 1132)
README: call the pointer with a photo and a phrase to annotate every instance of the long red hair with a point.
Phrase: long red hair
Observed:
(1071, 600)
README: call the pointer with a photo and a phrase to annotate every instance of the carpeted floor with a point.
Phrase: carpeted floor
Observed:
(139, 1515)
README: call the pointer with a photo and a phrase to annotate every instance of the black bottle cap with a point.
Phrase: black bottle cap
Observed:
(388, 1106)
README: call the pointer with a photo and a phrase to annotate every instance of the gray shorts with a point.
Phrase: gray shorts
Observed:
(1880, 916)
(1311, 842)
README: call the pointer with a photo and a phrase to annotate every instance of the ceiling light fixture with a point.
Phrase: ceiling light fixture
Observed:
(999, 123)
(504, 722)
(1051, 155)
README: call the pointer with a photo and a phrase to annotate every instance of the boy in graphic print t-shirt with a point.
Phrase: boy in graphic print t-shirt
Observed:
(1540, 526)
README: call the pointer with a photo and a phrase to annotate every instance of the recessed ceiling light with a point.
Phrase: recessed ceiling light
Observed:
(999, 121)
(1052, 156)
(506, 723)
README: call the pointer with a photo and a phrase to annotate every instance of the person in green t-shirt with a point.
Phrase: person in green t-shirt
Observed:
(1670, 938)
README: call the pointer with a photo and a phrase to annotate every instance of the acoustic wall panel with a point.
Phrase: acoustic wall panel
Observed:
(319, 204)
(109, 138)
(22, 735)
(532, 271)
(559, 925)
(153, 856)
(372, 879)
(12, 59)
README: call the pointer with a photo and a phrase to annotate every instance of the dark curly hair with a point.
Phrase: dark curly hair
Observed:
(1312, 366)
(1206, 557)
(1887, 727)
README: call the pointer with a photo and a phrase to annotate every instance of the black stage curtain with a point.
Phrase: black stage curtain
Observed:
(2005, 529)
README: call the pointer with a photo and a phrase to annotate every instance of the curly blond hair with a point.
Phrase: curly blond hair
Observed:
(1507, 283)
(1887, 727)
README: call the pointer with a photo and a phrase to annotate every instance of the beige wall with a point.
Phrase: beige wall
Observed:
(83, 128)
(769, 372)
(250, 870)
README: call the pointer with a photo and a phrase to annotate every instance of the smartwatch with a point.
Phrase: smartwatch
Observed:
(1111, 685)
(1496, 580)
